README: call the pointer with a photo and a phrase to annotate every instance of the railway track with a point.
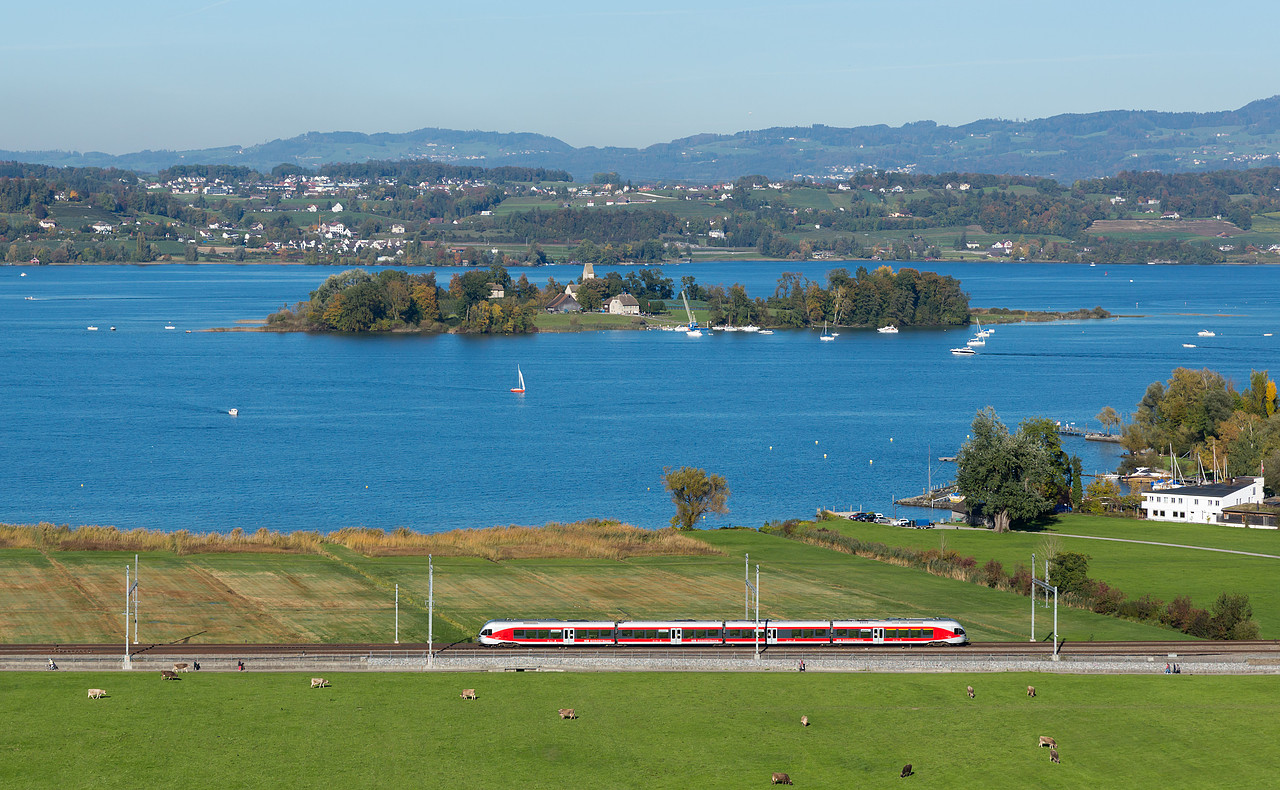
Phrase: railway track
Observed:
(466, 650)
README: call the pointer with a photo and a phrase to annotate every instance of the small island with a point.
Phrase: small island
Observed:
(487, 301)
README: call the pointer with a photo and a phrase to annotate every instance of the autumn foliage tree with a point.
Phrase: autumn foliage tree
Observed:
(694, 493)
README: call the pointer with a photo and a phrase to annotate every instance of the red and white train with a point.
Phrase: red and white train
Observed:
(930, 631)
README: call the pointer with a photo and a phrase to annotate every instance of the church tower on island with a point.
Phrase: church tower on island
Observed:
(588, 272)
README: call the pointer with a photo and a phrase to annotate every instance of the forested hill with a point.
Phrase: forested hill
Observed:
(1063, 147)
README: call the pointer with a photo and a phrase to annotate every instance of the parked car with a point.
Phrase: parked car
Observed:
(900, 522)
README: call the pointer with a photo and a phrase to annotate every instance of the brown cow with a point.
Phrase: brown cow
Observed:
(804, 720)
(468, 694)
(181, 667)
(906, 771)
(568, 713)
(319, 683)
(169, 674)
(780, 779)
(1031, 691)
(1045, 740)
(97, 693)
(970, 690)
(1053, 755)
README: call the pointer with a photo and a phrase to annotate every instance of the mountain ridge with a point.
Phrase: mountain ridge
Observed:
(1066, 147)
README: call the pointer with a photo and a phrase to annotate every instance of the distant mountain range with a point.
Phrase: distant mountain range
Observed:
(1064, 147)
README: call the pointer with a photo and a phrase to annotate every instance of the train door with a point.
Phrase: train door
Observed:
(771, 636)
(568, 636)
(676, 635)
(877, 635)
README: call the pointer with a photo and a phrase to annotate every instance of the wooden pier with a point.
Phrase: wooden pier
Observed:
(939, 498)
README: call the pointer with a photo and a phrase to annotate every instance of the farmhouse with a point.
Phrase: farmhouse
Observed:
(623, 304)
(496, 291)
(1202, 504)
(564, 303)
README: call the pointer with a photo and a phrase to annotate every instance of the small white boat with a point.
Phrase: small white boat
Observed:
(170, 326)
(519, 390)
(1206, 333)
(113, 329)
(888, 330)
(1264, 334)
(92, 328)
(693, 332)
(975, 341)
(233, 412)
(1188, 345)
(825, 334)
(1093, 264)
(766, 331)
(31, 298)
(749, 328)
(964, 351)
(24, 274)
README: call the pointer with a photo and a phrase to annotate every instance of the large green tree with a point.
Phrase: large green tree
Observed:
(1007, 477)
(694, 493)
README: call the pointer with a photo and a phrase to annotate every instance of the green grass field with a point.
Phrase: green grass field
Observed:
(74, 596)
(672, 730)
(1137, 569)
(570, 322)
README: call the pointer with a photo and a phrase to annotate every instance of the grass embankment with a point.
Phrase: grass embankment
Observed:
(636, 730)
(1135, 568)
(343, 595)
(1005, 315)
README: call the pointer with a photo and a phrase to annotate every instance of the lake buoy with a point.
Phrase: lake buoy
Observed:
(871, 462)
(891, 438)
(815, 441)
(824, 455)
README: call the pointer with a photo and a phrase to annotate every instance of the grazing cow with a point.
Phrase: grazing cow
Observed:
(1045, 740)
(970, 690)
(804, 720)
(182, 667)
(169, 674)
(1053, 755)
(97, 693)
(319, 683)
(468, 694)
(568, 713)
(906, 771)
(1031, 691)
(780, 779)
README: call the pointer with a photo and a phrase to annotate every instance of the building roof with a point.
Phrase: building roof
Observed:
(626, 299)
(1212, 490)
(563, 300)
(1253, 507)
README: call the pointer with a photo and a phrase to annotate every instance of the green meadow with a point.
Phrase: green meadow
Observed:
(643, 730)
(340, 595)
(1136, 568)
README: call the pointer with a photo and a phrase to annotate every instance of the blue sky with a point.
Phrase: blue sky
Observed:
(197, 73)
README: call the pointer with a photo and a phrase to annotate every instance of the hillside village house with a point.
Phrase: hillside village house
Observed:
(623, 304)
(496, 291)
(1202, 504)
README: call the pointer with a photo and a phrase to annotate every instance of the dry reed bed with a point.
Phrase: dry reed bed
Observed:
(591, 539)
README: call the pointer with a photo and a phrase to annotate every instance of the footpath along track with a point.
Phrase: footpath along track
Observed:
(464, 651)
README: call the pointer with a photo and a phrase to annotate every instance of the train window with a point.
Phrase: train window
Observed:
(890, 633)
(518, 633)
(959, 632)
(624, 633)
(926, 633)
(784, 633)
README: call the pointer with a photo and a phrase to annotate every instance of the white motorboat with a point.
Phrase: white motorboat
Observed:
(766, 331)
(963, 351)
(170, 326)
(693, 332)
(1206, 333)
(888, 330)
(975, 341)
(233, 412)
(1188, 345)
(749, 328)
(92, 328)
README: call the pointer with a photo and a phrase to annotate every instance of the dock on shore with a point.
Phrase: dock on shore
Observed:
(939, 498)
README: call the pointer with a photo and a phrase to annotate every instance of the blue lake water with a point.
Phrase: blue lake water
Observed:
(131, 427)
